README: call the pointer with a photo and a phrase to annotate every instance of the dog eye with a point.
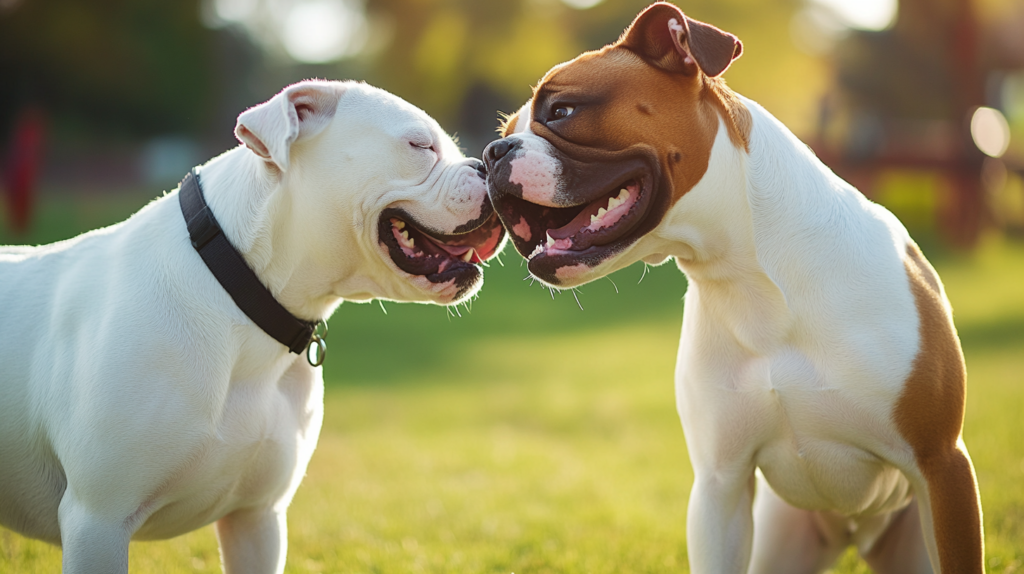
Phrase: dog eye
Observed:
(563, 112)
(428, 147)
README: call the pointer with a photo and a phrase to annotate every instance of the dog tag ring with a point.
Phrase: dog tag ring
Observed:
(317, 350)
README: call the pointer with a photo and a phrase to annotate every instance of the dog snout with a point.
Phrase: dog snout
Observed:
(497, 150)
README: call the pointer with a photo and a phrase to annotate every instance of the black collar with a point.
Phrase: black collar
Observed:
(241, 283)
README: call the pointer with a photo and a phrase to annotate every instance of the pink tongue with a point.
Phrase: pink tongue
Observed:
(455, 250)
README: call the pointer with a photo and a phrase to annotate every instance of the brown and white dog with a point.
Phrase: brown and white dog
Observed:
(818, 366)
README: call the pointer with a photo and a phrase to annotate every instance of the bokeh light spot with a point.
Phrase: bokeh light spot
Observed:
(862, 14)
(234, 10)
(317, 31)
(581, 4)
(990, 131)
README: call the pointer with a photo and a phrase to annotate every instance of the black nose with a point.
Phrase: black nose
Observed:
(498, 149)
(481, 169)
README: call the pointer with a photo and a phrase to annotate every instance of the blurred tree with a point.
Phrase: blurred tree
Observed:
(123, 68)
(463, 61)
(143, 67)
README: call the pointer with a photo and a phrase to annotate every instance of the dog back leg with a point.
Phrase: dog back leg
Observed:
(793, 540)
(253, 541)
(92, 544)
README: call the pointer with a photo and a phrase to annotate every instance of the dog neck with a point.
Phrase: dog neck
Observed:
(243, 192)
(716, 232)
(767, 237)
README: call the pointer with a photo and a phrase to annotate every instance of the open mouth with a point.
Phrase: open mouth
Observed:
(438, 257)
(555, 237)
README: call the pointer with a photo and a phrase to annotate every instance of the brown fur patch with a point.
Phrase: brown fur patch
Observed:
(622, 102)
(508, 124)
(930, 414)
(737, 117)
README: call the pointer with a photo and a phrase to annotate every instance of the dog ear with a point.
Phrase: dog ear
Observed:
(299, 111)
(663, 36)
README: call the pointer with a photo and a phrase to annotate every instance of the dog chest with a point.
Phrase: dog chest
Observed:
(255, 453)
(832, 443)
(820, 474)
(822, 433)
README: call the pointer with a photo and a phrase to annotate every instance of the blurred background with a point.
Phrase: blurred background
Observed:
(529, 431)
(108, 96)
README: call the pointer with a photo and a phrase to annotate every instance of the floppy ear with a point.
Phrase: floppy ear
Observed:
(665, 37)
(299, 111)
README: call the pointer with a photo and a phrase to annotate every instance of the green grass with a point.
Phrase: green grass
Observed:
(530, 436)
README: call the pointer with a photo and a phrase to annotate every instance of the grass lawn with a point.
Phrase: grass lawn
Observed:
(530, 436)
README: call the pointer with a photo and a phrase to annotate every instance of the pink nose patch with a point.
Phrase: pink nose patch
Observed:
(536, 173)
(571, 272)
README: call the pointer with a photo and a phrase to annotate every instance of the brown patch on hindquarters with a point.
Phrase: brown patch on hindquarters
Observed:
(929, 415)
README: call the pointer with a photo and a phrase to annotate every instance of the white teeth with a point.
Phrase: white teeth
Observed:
(551, 240)
(406, 241)
(593, 219)
(536, 251)
(619, 199)
(467, 256)
(398, 223)
(601, 212)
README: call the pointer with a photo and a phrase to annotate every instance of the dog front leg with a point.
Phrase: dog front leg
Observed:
(253, 541)
(720, 523)
(92, 544)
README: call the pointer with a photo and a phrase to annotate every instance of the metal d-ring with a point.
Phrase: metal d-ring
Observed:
(317, 350)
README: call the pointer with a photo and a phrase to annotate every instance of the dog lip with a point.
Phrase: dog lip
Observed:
(441, 257)
(553, 238)
(571, 227)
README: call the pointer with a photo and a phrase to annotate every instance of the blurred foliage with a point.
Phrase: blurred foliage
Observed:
(454, 58)
(112, 67)
(128, 71)
(138, 68)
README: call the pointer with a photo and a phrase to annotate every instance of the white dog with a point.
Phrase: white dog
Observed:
(138, 399)
(817, 343)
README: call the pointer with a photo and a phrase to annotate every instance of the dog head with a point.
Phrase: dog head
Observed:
(610, 143)
(387, 198)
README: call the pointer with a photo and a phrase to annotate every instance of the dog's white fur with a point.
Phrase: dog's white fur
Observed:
(799, 332)
(137, 401)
